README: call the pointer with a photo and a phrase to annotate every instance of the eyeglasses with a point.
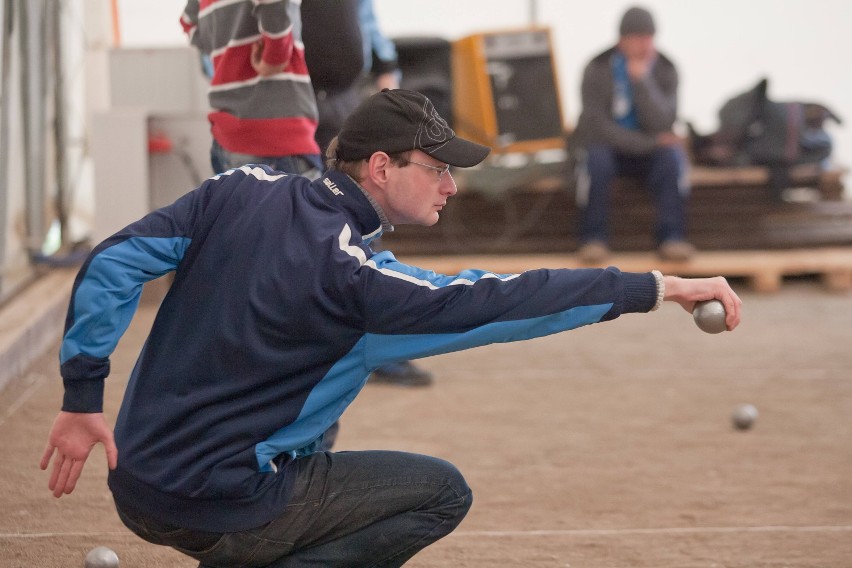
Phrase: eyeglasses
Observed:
(441, 170)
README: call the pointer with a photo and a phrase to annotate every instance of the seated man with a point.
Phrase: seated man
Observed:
(629, 96)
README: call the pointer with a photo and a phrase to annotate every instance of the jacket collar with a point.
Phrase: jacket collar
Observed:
(346, 194)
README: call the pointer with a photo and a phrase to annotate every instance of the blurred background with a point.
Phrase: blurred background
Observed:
(721, 48)
(104, 103)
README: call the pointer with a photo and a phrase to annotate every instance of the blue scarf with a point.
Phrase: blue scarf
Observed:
(623, 110)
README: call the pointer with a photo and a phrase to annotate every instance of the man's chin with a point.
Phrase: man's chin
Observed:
(431, 219)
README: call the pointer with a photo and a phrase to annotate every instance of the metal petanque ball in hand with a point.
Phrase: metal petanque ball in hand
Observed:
(101, 557)
(709, 316)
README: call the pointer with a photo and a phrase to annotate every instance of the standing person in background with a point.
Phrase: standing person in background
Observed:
(345, 70)
(339, 93)
(334, 53)
(629, 98)
(264, 110)
(381, 63)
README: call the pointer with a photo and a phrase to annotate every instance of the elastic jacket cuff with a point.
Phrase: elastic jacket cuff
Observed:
(640, 292)
(83, 396)
(83, 377)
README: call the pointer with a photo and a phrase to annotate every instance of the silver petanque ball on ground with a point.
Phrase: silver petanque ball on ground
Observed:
(101, 557)
(709, 316)
(744, 416)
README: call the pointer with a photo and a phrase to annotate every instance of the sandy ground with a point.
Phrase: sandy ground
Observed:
(609, 446)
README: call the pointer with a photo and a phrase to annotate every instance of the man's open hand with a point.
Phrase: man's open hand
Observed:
(70, 442)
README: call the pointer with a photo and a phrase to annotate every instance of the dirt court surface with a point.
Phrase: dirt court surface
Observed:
(610, 446)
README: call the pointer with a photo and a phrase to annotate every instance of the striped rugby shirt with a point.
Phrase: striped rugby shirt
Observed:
(261, 116)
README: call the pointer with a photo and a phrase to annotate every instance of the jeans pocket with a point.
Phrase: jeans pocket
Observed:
(131, 523)
(245, 549)
(188, 541)
(194, 543)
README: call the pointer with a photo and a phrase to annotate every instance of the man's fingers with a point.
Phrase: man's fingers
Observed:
(73, 475)
(733, 307)
(111, 453)
(61, 470)
(256, 54)
(54, 474)
(45, 458)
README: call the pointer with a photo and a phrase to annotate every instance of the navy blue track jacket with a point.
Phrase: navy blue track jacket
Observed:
(278, 312)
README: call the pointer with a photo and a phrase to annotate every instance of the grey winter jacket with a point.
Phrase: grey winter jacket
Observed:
(655, 99)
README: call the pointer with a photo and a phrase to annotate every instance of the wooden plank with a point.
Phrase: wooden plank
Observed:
(759, 175)
(31, 322)
(763, 269)
(543, 178)
(838, 280)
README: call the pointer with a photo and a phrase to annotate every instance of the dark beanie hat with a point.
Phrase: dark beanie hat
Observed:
(397, 120)
(637, 21)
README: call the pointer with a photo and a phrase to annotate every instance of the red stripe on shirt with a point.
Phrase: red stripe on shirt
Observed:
(264, 136)
(278, 50)
(187, 26)
(234, 65)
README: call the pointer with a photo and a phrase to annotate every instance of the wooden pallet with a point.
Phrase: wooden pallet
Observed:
(764, 270)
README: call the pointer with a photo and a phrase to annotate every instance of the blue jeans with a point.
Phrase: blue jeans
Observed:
(370, 508)
(664, 173)
(308, 165)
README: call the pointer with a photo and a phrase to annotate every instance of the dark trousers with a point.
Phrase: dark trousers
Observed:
(371, 508)
(663, 173)
(334, 108)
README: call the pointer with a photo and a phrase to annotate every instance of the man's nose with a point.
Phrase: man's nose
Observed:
(448, 184)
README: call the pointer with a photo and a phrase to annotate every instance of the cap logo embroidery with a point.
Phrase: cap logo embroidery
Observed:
(433, 129)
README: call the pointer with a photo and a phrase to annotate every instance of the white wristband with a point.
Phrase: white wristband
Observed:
(661, 289)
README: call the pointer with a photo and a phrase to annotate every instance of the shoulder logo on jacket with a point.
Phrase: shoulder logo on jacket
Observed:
(332, 186)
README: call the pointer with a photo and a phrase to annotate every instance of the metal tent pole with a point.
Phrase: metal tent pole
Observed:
(34, 122)
(6, 27)
(55, 37)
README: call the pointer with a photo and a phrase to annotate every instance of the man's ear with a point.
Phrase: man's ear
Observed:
(377, 167)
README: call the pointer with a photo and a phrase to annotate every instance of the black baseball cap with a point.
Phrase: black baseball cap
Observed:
(398, 120)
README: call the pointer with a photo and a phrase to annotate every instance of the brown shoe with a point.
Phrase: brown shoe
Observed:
(404, 374)
(593, 252)
(676, 251)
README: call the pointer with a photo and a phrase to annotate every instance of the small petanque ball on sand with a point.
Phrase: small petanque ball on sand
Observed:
(744, 416)
(101, 557)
